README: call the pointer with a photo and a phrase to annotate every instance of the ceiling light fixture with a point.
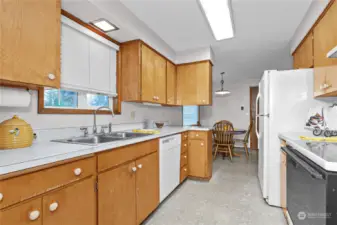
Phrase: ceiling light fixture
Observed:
(104, 25)
(222, 92)
(219, 17)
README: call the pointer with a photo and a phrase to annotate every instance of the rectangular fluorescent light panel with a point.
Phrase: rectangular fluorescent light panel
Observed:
(219, 17)
(104, 25)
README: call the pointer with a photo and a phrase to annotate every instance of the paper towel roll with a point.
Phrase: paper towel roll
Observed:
(14, 97)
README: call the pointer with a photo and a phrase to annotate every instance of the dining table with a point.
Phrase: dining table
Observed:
(236, 132)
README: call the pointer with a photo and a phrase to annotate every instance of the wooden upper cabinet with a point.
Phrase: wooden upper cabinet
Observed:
(143, 72)
(28, 213)
(194, 83)
(148, 75)
(160, 79)
(147, 186)
(30, 42)
(325, 37)
(75, 204)
(171, 82)
(117, 196)
(303, 56)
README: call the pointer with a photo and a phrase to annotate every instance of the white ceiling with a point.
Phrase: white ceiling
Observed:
(258, 23)
(263, 30)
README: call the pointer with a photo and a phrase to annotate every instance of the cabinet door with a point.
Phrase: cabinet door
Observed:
(30, 42)
(117, 196)
(283, 180)
(75, 204)
(75, 63)
(147, 186)
(148, 74)
(186, 85)
(304, 57)
(99, 66)
(28, 213)
(171, 79)
(160, 79)
(325, 38)
(203, 79)
(197, 158)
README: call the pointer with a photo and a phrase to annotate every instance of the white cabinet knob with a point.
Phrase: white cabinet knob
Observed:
(197, 135)
(185, 170)
(204, 101)
(1, 197)
(51, 76)
(140, 166)
(34, 215)
(53, 207)
(185, 157)
(77, 171)
(202, 144)
(134, 169)
(185, 145)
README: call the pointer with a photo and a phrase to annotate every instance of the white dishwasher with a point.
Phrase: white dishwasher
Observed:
(169, 164)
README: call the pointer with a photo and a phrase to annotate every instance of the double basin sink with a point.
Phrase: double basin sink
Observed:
(97, 139)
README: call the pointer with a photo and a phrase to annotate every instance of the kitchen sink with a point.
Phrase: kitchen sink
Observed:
(101, 138)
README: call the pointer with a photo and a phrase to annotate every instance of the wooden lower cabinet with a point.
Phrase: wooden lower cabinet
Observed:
(29, 213)
(129, 193)
(200, 156)
(75, 204)
(147, 186)
(117, 196)
(283, 180)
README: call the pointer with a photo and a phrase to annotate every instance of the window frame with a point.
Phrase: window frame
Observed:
(117, 101)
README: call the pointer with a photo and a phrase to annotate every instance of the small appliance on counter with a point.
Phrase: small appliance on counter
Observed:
(15, 133)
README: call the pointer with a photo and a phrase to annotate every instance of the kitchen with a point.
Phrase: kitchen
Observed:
(104, 76)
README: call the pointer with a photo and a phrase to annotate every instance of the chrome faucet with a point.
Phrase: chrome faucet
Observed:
(95, 112)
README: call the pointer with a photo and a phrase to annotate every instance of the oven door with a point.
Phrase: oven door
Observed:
(306, 191)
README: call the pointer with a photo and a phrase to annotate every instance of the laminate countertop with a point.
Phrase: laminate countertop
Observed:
(322, 153)
(43, 153)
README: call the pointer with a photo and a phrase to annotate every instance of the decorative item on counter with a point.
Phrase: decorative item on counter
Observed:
(146, 131)
(319, 139)
(317, 123)
(159, 124)
(15, 133)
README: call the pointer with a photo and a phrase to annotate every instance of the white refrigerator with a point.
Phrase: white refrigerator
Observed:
(282, 105)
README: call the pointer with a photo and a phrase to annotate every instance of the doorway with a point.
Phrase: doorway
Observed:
(253, 138)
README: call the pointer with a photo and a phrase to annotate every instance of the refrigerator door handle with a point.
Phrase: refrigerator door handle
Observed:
(257, 114)
(266, 115)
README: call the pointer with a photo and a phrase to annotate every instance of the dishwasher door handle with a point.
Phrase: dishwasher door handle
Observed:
(313, 173)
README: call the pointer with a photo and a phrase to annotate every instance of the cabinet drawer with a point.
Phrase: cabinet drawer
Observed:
(184, 146)
(26, 186)
(183, 173)
(184, 136)
(121, 155)
(29, 213)
(197, 135)
(183, 159)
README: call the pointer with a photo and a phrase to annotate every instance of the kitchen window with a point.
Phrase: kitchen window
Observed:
(61, 101)
(58, 98)
(191, 115)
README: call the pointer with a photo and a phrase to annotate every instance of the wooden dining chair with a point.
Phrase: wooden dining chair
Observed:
(224, 142)
(245, 140)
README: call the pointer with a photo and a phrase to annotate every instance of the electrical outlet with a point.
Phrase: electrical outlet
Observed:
(133, 115)
(242, 108)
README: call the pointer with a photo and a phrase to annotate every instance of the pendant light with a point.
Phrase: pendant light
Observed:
(222, 92)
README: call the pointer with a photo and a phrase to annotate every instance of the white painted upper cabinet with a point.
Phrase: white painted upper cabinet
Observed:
(88, 61)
